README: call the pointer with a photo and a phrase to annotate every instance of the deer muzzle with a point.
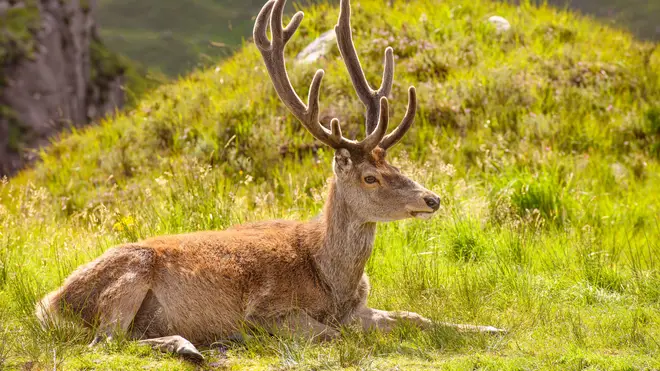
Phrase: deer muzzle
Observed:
(427, 204)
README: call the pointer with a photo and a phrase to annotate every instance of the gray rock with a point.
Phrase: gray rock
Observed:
(53, 89)
(318, 48)
(500, 23)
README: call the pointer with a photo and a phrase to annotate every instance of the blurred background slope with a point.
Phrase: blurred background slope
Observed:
(176, 36)
(642, 17)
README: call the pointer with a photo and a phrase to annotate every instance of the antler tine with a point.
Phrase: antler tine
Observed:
(272, 52)
(260, 26)
(398, 133)
(373, 139)
(369, 97)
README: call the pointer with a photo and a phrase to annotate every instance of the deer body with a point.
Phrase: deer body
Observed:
(254, 274)
(302, 276)
(299, 278)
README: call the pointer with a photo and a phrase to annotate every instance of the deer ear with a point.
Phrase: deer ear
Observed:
(343, 162)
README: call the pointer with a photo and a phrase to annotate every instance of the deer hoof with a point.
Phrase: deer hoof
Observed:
(189, 352)
(494, 330)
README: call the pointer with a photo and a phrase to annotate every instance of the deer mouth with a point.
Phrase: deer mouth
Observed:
(422, 214)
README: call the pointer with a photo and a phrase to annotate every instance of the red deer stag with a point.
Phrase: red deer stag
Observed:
(287, 277)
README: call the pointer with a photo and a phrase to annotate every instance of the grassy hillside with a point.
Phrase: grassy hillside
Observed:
(543, 142)
(177, 36)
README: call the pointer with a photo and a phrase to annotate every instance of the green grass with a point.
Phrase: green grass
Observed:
(542, 142)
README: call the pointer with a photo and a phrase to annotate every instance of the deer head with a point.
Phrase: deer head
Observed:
(376, 190)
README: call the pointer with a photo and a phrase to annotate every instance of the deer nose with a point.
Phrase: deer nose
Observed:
(433, 202)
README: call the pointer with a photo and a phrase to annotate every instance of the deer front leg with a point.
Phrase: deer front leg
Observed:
(385, 321)
(473, 328)
(375, 319)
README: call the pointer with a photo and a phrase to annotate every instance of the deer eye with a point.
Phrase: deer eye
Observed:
(370, 179)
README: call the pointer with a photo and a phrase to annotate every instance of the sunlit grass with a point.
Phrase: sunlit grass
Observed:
(543, 148)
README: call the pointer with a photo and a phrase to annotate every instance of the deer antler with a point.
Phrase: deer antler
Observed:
(272, 52)
(370, 97)
(395, 136)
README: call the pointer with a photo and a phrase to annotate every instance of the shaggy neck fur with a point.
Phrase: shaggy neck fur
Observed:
(346, 246)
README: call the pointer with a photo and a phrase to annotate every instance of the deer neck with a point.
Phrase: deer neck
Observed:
(346, 245)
